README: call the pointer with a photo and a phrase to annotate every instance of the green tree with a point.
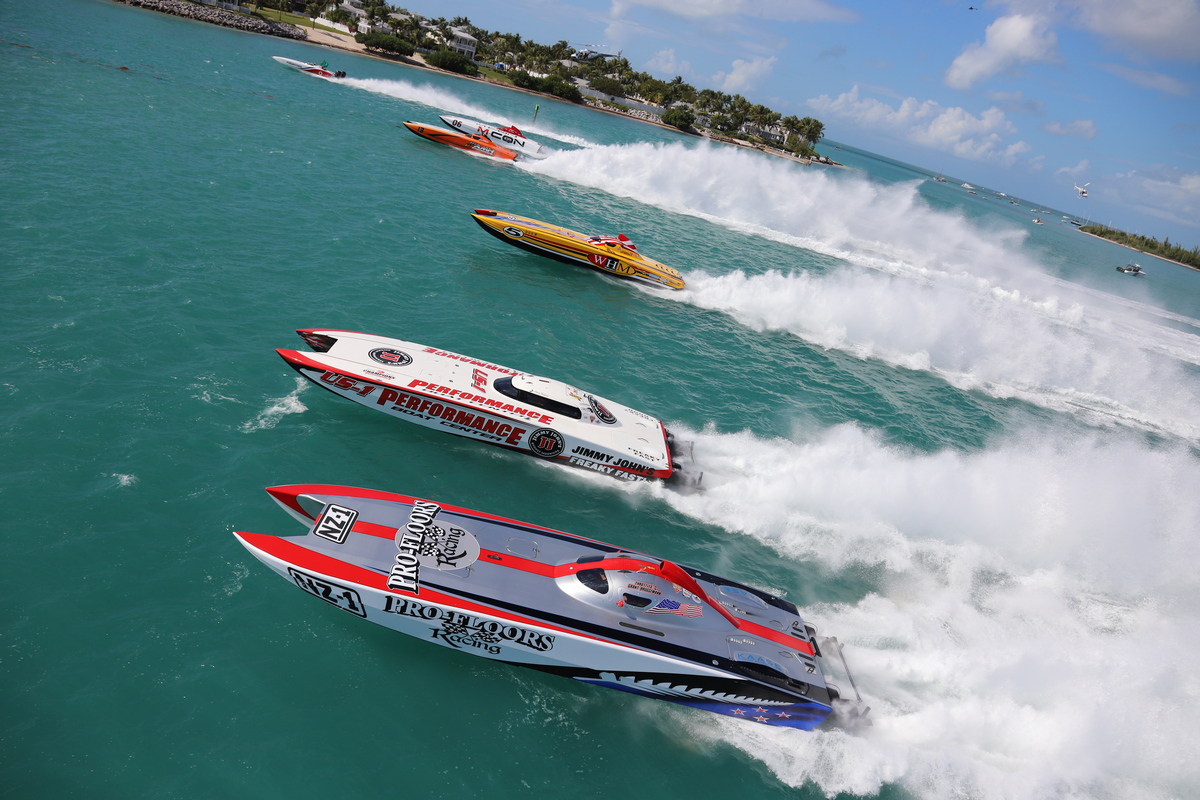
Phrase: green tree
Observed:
(811, 130)
(452, 62)
(681, 118)
(607, 86)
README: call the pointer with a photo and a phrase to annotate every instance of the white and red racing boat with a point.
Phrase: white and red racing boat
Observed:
(505, 135)
(559, 603)
(321, 70)
(485, 401)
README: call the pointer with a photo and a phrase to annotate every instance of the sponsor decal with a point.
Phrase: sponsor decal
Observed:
(390, 356)
(593, 454)
(642, 586)
(606, 469)
(513, 232)
(449, 415)
(473, 361)
(669, 606)
(347, 383)
(421, 543)
(335, 523)
(344, 597)
(479, 379)
(602, 413)
(755, 658)
(459, 630)
(378, 373)
(546, 442)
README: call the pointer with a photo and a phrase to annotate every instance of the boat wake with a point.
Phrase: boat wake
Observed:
(444, 101)
(1024, 631)
(918, 288)
(279, 408)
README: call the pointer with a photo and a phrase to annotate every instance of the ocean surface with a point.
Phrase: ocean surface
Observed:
(960, 442)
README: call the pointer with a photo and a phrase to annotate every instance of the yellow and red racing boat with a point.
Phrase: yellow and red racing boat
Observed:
(472, 143)
(616, 255)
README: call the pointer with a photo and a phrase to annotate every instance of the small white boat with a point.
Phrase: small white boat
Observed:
(506, 136)
(320, 70)
(1038, 221)
(1132, 269)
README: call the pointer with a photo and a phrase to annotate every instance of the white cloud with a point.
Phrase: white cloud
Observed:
(1150, 80)
(664, 62)
(744, 74)
(1008, 42)
(954, 130)
(1083, 128)
(1162, 28)
(1168, 193)
(777, 10)
(1074, 171)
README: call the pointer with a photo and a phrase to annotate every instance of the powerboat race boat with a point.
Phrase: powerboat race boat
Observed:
(494, 404)
(470, 142)
(506, 136)
(320, 70)
(559, 603)
(1132, 269)
(616, 255)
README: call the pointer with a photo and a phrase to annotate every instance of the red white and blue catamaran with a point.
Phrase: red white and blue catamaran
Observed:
(559, 603)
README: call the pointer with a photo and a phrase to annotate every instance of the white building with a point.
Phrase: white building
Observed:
(462, 42)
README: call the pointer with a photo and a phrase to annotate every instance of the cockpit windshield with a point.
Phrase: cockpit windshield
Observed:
(505, 387)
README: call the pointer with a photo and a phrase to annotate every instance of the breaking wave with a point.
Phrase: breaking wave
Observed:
(920, 288)
(1025, 632)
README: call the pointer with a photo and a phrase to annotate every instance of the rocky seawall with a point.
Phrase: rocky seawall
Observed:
(219, 16)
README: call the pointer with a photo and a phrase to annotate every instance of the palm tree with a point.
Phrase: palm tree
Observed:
(811, 130)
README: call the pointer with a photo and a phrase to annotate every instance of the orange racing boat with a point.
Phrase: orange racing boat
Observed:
(472, 143)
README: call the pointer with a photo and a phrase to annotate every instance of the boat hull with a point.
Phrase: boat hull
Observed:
(457, 394)
(309, 69)
(487, 601)
(470, 143)
(572, 247)
(519, 144)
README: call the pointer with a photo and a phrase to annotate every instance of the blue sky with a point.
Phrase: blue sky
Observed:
(1027, 98)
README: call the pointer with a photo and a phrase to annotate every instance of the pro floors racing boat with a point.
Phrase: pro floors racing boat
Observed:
(485, 401)
(559, 603)
(320, 70)
(616, 255)
(470, 142)
(506, 136)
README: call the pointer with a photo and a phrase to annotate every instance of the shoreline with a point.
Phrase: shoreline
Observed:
(1143, 252)
(342, 41)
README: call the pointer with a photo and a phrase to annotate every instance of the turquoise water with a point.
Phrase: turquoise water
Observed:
(964, 444)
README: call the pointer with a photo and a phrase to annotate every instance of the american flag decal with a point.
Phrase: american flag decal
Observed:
(668, 606)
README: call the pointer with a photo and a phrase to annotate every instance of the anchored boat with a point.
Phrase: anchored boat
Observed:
(559, 603)
(616, 255)
(495, 404)
(470, 142)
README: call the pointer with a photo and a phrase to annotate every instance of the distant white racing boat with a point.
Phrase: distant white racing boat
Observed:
(320, 70)
(506, 136)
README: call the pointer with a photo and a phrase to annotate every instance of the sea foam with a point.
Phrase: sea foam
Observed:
(1026, 632)
(920, 288)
